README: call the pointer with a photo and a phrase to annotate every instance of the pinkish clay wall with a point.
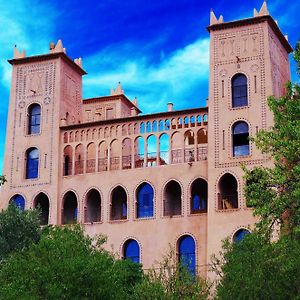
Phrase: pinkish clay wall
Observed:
(91, 146)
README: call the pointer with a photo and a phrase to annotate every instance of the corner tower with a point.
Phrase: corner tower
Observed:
(45, 92)
(248, 62)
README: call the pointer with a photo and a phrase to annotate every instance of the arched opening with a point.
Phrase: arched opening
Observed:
(202, 144)
(154, 126)
(34, 118)
(92, 211)
(167, 124)
(18, 200)
(151, 151)
(187, 255)
(41, 202)
(176, 145)
(172, 199)
(67, 166)
(70, 208)
(118, 204)
(131, 250)
(192, 121)
(102, 157)
(239, 90)
(186, 122)
(164, 148)
(240, 139)
(228, 194)
(144, 201)
(115, 151)
(126, 154)
(142, 127)
(161, 125)
(79, 159)
(148, 126)
(139, 152)
(189, 151)
(240, 234)
(199, 192)
(32, 163)
(91, 158)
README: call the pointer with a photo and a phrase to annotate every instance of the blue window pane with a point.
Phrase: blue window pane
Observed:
(34, 117)
(241, 150)
(18, 201)
(32, 165)
(198, 203)
(240, 234)
(187, 254)
(145, 201)
(239, 91)
(240, 128)
(132, 251)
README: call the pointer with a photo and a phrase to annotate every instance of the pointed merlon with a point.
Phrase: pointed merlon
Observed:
(255, 13)
(134, 101)
(78, 61)
(263, 10)
(58, 47)
(221, 19)
(119, 89)
(18, 54)
(286, 37)
(213, 19)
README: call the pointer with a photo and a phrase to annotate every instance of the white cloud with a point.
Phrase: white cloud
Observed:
(173, 79)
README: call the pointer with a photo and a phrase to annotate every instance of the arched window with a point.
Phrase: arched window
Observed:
(70, 208)
(92, 211)
(240, 139)
(172, 199)
(145, 195)
(67, 167)
(228, 195)
(239, 90)
(42, 203)
(199, 196)
(240, 234)
(18, 201)
(118, 204)
(34, 118)
(186, 251)
(132, 251)
(32, 163)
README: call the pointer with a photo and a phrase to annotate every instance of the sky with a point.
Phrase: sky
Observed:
(158, 50)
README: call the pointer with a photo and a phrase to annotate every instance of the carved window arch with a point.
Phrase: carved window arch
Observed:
(239, 89)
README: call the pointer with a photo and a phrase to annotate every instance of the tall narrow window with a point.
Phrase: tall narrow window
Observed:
(145, 195)
(132, 251)
(92, 210)
(172, 199)
(70, 208)
(228, 193)
(118, 204)
(240, 139)
(186, 251)
(239, 90)
(34, 118)
(42, 203)
(199, 196)
(32, 163)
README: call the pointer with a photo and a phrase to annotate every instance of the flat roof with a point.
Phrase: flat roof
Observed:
(48, 56)
(259, 19)
(167, 114)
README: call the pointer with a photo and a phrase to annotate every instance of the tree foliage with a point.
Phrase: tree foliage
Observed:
(256, 268)
(18, 230)
(66, 264)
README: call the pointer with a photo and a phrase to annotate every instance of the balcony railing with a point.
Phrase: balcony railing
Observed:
(102, 164)
(90, 165)
(139, 160)
(79, 167)
(126, 162)
(115, 163)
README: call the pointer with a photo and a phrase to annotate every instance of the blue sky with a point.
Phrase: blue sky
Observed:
(157, 49)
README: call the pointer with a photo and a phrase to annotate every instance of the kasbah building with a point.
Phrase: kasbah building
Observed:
(145, 181)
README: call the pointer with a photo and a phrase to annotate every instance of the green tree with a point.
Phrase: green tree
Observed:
(66, 264)
(171, 281)
(18, 230)
(2, 179)
(256, 268)
(275, 192)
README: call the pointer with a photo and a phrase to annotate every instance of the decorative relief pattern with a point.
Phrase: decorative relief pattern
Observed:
(245, 46)
(33, 83)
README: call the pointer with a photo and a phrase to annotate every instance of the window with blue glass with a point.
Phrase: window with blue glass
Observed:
(18, 201)
(145, 195)
(32, 163)
(199, 196)
(239, 90)
(187, 256)
(240, 234)
(240, 139)
(132, 251)
(34, 118)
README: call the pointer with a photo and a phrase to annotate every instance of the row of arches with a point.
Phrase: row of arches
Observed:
(135, 128)
(137, 153)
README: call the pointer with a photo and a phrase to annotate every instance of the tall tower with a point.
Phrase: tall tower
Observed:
(45, 92)
(248, 62)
